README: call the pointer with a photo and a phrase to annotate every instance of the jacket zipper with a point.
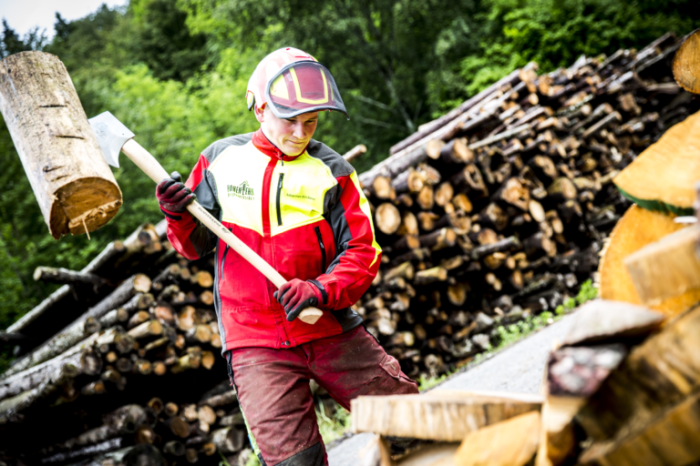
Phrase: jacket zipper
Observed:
(279, 200)
(223, 261)
(323, 249)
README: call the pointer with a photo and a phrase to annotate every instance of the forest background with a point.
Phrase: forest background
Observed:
(175, 72)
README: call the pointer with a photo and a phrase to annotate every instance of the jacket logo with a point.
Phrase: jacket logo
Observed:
(243, 190)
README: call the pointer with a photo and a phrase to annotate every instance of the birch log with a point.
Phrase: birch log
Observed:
(73, 184)
(75, 332)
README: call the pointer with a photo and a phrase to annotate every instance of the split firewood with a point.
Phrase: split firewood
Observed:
(508, 443)
(666, 268)
(670, 438)
(427, 416)
(579, 371)
(646, 384)
(558, 440)
(601, 321)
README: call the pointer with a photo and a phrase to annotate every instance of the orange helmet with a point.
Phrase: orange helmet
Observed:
(292, 82)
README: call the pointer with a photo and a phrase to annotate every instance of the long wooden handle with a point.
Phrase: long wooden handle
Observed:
(146, 162)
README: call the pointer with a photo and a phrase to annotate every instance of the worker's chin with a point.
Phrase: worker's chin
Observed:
(292, 149)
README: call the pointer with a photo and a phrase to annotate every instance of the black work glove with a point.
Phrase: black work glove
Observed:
(296, 295)
(173, 195)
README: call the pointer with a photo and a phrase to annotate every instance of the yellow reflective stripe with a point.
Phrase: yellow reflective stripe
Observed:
(298, 89)
(364, 207)
(279, 88)
(306, 182)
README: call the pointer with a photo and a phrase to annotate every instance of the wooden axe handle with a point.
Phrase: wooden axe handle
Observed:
(146, 162)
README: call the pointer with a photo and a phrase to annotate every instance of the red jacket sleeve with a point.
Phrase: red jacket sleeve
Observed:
(186, 234)
(357, 253)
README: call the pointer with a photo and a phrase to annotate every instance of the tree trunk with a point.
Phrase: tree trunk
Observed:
(65, 276)
(73, 184)
(355, 152)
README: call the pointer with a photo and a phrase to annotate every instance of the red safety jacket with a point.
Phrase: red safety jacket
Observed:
(305, 215)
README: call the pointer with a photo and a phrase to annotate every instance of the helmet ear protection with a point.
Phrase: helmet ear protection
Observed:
(292, 82)
(250, 100)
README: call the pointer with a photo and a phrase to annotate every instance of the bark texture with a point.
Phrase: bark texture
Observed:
(75, 188)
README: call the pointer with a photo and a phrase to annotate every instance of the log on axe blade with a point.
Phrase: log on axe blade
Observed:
(114, 137)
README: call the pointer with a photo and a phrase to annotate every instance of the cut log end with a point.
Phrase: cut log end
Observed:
(388, 218)
(74, 186)
(686, 70)
(84, 205)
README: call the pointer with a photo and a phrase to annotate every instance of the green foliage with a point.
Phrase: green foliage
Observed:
(335, 426)
(426, 383)
(252, 461)
(379, 52)
(554, 33)
(12, 43)
(165, 43)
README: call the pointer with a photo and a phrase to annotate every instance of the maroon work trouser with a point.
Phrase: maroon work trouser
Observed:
(275, 397)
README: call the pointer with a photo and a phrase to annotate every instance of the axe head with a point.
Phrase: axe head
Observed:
(111, 135)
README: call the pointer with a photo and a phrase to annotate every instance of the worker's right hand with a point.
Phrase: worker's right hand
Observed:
(173, 195)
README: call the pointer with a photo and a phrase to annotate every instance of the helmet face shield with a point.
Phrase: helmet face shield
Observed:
(303, 87)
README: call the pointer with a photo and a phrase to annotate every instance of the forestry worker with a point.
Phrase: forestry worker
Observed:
(298, 204)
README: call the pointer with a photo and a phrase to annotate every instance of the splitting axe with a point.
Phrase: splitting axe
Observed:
(113, 137)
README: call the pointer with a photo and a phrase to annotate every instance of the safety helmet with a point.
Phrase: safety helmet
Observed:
(292, 82)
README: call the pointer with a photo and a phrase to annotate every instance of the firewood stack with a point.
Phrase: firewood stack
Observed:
(131, 378)
(499, 209)
(491, 213)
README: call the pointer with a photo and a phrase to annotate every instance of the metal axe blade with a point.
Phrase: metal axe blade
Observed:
(111, 135)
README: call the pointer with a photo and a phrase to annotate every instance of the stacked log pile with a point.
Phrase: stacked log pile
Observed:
(499, 209)
(94, 389)
(494, 212)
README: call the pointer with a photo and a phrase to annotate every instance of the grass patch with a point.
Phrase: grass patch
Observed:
(335, 426)
(509, 334)
(253, 461)
(426, 383)
(331, 428)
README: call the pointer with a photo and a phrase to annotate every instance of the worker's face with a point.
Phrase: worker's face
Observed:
(289, 135)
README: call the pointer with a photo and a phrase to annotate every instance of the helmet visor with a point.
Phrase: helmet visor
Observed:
(303, 87)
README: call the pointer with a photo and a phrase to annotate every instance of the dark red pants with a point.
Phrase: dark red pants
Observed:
(274, 394)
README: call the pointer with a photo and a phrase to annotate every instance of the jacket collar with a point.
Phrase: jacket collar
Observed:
(264, 145)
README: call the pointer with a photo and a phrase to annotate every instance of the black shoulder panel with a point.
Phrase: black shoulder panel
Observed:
(213, 151)
(337, 164)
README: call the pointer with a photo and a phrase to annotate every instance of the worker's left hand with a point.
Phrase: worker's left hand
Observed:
(296, 295)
